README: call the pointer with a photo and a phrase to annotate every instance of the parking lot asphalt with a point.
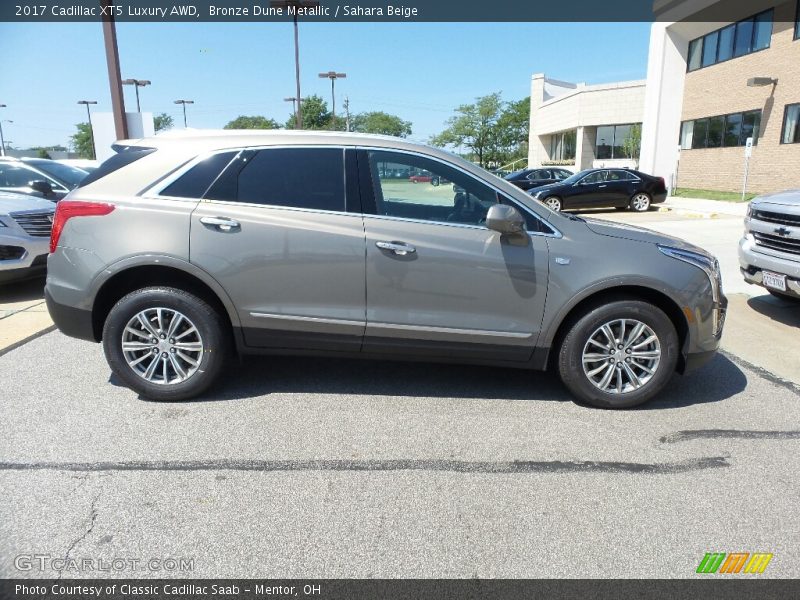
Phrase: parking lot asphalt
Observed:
(333, 468)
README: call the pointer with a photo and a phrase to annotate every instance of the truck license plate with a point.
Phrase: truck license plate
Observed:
(774, 281)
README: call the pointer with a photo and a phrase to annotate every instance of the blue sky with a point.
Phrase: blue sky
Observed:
(419, 71)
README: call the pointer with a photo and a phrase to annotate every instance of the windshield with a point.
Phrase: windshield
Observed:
(72, 176)
(577, 177)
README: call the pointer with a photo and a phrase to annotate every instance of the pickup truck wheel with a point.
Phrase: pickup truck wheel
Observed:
(165, 343)
(618, 355)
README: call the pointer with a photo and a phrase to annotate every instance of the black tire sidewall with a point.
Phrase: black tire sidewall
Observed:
(570, 364)
(203, 316)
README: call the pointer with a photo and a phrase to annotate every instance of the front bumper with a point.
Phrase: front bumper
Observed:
(22, 257)
(753, 261)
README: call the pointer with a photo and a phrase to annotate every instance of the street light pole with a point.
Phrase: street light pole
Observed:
(333, 76)
(137, 83)
(184, 102)
(296, 5)
(2, 141)
(293, 100)
(91, 129)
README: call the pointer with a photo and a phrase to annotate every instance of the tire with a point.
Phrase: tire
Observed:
(587, 327)
(553, 203)
(194, 359)
(435, 182)
(640, 202)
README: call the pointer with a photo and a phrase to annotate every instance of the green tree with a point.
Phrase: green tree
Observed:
(162, 122)
(315, 113)
(82, 140)
(41, 152)
(632, 144)
(513, 129)
(475, 127)
(254, 122)
(381, 123)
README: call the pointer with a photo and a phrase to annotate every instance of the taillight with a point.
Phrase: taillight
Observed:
(67, 209)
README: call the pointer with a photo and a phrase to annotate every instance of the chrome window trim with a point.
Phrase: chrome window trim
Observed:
(556, 233)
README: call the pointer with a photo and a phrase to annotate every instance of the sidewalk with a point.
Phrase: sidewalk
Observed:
(705, 208)
(23, 314)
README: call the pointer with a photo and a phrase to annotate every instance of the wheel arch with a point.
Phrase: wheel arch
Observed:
(622, 292)
(132, 277)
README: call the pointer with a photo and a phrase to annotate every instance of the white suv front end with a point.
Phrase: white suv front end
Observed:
(25, 224)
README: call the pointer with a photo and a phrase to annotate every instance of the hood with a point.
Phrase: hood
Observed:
(10, 202)
(787, 198)
(639, 234)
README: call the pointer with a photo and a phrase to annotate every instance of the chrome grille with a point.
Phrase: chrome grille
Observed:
(776, 242)
(37, 224)
(773, 217)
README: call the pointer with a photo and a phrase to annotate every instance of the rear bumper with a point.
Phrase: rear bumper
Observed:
(658, 198)
(71, 321)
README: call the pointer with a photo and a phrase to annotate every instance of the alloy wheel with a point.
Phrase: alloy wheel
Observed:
(553, 204)
(162, 346)
(640, 202)
(621, 356)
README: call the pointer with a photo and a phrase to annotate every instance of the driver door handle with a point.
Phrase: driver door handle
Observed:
(223, 224)
(398, 248)
(602, 186)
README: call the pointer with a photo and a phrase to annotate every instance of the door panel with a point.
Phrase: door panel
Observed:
(296, 277)
(463, 291)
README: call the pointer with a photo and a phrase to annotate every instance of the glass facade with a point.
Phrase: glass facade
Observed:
(562, 145)
(721, 131)
(746, 36)
(611, 141)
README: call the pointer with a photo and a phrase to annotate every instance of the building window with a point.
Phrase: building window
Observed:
(721, 131)
(562, 145)
(791, 125)
(617, 141)
(745, 37)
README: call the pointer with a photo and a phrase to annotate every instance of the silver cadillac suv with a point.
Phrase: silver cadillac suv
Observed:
(182, 250)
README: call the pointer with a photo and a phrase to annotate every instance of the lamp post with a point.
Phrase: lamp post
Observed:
(2, 142)
(137, 83)
(293, 100)
(333, 76)
(91, 129)
(184, 102)
(296, 4)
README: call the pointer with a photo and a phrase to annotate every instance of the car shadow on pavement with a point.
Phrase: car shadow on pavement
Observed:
(718, 380)
(22, 291)
(785, 311)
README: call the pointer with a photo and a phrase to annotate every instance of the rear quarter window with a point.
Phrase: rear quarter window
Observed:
(196, 181)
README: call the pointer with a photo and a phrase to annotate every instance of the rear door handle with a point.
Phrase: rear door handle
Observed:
(223, 224)
(398, 248)
(601, 186)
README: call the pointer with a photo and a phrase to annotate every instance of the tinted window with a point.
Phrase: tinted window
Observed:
(597, 177)
(195, 182)
(295, 177)
(744, 38)
(716, 125)
(791, 125)
(124, 157)
(621, 134)
(733, 129)
(725, 50)
(66, 173)
(605, 142)
(763, 31)
(559, 174)
(750, 124)
(451, 196)
(700, 131)
(539, 174)
(710, 49)
(621, 176)
(695, 54)
(14, 175)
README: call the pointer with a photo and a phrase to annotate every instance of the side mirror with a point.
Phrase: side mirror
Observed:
(42, 186)
(505, 219)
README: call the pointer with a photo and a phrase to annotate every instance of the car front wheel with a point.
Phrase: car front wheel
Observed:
(553, 203)
(619, 354)
(165, 343)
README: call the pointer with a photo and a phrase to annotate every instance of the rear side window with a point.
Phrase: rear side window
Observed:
(196, 181)
(311, 178)
(124, 157)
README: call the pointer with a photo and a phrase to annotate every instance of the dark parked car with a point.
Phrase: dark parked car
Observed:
(527, 179)
(597, 188)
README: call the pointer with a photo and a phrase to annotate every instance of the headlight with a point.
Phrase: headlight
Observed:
(710, 267)
(749, 210)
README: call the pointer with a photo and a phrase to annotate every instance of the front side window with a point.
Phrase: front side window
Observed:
(791, 125)
(310, 178)
(539, 174)
(17, 176)
(463, 200)
(596, 177)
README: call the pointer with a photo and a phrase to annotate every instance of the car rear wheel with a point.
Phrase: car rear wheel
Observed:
(640, 202)
(165, 343)
(619, 354)
(553, 203)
